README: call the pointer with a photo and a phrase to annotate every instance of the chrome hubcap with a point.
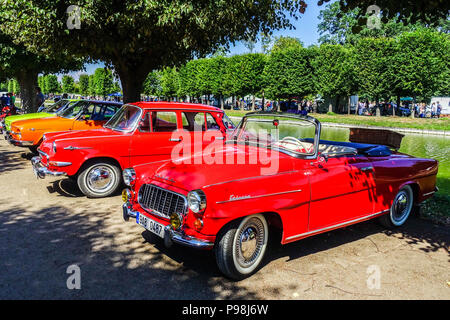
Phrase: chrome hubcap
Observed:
(250, 241)
(401, 206)
(100, 179)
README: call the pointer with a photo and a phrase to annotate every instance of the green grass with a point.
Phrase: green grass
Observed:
(391, 122)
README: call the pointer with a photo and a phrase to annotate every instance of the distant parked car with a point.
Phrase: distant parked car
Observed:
(81, 115)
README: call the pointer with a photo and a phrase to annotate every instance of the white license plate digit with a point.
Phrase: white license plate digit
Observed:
(151, 225)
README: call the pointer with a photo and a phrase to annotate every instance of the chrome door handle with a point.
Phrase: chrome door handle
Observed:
(367, 169)
(175, 140)
(220, 138)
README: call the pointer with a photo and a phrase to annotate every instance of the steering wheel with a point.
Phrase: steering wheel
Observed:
(293, 140)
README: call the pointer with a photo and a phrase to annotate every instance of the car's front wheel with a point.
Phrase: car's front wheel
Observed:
(99, 179)
(240, 246)
(401, 208)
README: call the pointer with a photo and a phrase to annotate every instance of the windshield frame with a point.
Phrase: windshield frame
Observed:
(135, 125)
(314, 121)
(68, 106)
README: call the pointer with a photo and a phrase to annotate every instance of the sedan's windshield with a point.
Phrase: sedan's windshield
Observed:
(73, 109)
(290, 134)
(125, 119)
(55, 107)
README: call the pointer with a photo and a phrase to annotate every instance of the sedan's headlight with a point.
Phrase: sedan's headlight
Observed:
(129, 176)
(197, 201)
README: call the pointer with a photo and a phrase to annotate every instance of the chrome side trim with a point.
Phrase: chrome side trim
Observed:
(258, 196)
(76, 148)
(429, 193)
(336, 225)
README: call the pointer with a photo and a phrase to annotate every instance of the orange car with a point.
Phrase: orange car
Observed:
(82, 115)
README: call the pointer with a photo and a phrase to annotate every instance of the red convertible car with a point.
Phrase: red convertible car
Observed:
(309, 186)
(143, 132)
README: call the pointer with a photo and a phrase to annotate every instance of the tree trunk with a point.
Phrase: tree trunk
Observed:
(132, 76)
(253, 102)
(28, 81)
(349, 105)
(263, 101)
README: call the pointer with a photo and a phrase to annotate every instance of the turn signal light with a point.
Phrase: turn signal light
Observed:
(198, 224)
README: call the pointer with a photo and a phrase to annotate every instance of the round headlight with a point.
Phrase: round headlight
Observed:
(197, 201)
(129, 176)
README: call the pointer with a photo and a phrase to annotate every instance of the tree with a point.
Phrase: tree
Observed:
(51, 84)
(17, 62)
(157, 35)
(83, 84)
(339, 27)
(289, 73)
(374, 68)
(169, 82)
(103, 82)
(334, 71)
(282, 42)
(68, 84)
(421, 64)
(152, 85)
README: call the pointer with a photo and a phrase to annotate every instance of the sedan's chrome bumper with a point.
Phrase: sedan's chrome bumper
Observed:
(170, 234)
(41, 171)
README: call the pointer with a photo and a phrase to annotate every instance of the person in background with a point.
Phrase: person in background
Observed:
(12, 98)
(438, 110)
(40, 98)
(433, 110)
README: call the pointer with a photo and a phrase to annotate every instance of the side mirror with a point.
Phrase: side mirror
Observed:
(322, 158)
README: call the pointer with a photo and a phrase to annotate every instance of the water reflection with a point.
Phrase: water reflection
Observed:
(425, 146)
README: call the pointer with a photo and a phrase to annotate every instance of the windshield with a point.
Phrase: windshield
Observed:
(54, 108)
(125, 119)
(73, 109)
(290, 134)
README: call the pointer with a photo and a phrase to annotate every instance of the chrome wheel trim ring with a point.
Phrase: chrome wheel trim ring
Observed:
(402, 205)
(250, 243)
(100, 178)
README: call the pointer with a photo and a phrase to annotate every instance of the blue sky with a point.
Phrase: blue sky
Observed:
(305, 30)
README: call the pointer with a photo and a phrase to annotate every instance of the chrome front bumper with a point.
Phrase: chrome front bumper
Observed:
(170, 234)
(41, 171)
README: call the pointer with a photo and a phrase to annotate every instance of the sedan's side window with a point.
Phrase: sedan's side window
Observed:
(211, 123)
(164, 121)
(194, 121)
(144, 125)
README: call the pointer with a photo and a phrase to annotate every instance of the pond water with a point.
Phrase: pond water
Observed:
(424, 146)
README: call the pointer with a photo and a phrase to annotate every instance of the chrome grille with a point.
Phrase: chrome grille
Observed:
(160, 201)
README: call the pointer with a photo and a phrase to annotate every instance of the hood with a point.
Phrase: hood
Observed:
(192, 173)
(83, 134)
(43, 123)
(10, 119)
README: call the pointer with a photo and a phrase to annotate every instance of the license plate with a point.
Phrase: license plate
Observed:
(151, 225)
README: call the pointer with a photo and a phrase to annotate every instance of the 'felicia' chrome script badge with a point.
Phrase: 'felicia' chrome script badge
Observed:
(233, 197)
(164, 178)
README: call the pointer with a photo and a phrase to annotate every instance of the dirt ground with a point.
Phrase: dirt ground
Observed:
(48, 225)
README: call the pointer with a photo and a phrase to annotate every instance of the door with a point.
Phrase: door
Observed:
(342, 190)
(153, 141)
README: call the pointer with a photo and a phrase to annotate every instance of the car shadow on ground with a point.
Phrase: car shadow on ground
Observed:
(10, 161)
(39, 245)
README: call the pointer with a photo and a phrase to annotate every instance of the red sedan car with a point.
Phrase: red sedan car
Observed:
(275, 171)
(143, 132)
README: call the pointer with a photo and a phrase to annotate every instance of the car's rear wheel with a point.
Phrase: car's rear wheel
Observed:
(240, 246)
(99, 179)
(401, 208)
